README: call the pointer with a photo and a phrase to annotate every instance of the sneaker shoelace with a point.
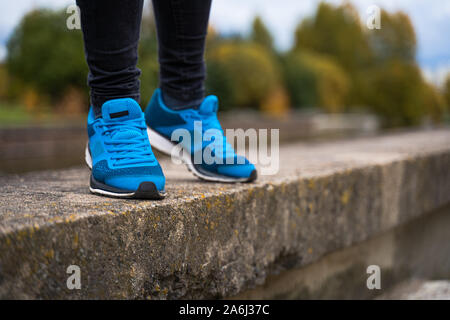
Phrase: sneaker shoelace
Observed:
(127, 143)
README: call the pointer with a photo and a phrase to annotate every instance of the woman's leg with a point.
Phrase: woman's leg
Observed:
(182, 27)
(111, 33)
(119, 153)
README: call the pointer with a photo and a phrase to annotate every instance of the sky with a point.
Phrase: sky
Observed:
(431, 20)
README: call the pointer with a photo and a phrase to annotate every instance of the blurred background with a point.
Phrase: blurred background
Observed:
(311, 68)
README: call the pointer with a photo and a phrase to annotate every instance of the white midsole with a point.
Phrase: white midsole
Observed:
(87, 156)
(88, 159)
(112, 194)
(165, 146)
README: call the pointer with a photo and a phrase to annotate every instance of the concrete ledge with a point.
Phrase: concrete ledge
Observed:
(414, 251)
(214, 240)
(420, 290)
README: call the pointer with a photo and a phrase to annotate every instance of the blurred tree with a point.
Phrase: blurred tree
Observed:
(380, 64)
(73, 102)
(335, 31)
(4, 82)
(395, 40)
(277, 103)
(434, 102)
(260, 34)
(148, 55)
(399, 92)
(335, 63)
(219, 81)
(32, 100)
(446, 91)
(242, 74)
(396, 94)
(43, 54)
(314, 80)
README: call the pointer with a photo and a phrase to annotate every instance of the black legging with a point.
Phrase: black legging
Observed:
(111, 35)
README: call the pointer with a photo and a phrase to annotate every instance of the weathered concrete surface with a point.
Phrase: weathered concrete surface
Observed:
(420, 290)
(415, 250)
(214, 240)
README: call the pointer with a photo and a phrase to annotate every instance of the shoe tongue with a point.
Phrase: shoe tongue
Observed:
(121, 110)
(209, 105)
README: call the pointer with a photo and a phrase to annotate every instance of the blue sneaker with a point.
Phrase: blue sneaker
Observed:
(120, 155)
(163, 121)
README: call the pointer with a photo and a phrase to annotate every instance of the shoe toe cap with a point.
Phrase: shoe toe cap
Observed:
(237, 170)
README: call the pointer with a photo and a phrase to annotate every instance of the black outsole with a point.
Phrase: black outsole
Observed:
(252, 178)
(199, 172)
(146, 190)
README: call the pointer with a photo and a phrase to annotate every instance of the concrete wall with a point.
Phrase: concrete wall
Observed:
(410, 253)
(208, 240)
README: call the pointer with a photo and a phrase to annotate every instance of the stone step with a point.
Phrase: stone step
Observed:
(208, 240)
